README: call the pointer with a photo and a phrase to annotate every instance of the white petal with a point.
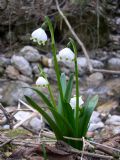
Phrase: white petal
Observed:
(80, 101)
(40, 35)
(73, 102)
(66, 54)
(41, 82)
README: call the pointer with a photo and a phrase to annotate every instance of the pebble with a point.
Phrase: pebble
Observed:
(50, 73)
(95, 126)
(95, 118)
(22, 65)
(12, 72)
(97, 64)
(14, 90)
(36, 124)
(30, 54)
(95, 79)
(4, 61)
(20, 115)
(114, 63)
(113, 120)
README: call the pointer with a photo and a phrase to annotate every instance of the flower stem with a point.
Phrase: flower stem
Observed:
(54, 57)
(51, 96)
(77, 84)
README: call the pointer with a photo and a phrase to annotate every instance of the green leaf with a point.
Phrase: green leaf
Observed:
(66, 127)
(68, 92)
(69, 114)
(53, 125)
(61, 121)
(85, 118)
(63, 84)
(44, 98)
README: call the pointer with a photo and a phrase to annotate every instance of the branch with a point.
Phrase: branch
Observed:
(7, 115)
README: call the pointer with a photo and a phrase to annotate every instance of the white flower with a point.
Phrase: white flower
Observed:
(39, 36)
(41, 81)
(66, 54)
(73, 102)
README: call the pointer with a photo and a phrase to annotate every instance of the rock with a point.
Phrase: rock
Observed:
(95, 118)
(22, 65)
(114, 63)
(35, 68)
(25, 79)
(36, 124)
(47, 62)
(95, 79)
(118, 21)
(114, 86)
(97, 64)
(6, 127)
(4, 61)
(116, 130)
(12, 72)
(82, 62)
(30, 54)
(113, 120)
(108, 106)
(20, 115)
(115, 39)
(14, 90)
(50, 73)
(95, 126)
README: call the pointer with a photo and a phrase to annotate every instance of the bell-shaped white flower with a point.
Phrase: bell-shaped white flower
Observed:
(42, 82)
(73, 102)
(66, 54)
(39, 36)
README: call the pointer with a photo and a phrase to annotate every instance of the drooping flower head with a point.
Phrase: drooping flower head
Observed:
(73, 102)
(39, 36)
(42, 82)
(66, 54)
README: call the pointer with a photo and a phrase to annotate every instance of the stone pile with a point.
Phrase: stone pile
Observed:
(21, 70)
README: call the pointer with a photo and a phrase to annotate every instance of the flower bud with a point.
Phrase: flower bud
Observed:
(42, 82)
(66, 54)
(39, 36)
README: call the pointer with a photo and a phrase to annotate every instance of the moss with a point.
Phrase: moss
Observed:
(16, 132)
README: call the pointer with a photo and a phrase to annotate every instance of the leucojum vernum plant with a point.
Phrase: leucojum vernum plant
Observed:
(70, 115)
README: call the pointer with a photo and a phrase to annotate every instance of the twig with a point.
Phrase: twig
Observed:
(91, 154)
(75, 36)
(106, 71)
(95, 143)
(7, 141)
(48, 134)
(83, 149)
(28, 106)
(7, 115)
(102, 145)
